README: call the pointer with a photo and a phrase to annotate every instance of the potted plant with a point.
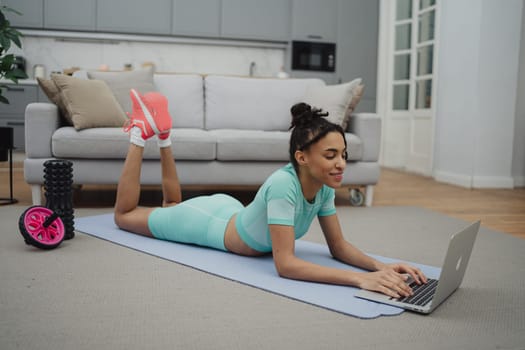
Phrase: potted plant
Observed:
(8, 35)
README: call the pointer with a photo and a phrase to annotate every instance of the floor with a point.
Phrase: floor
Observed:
(499, 209)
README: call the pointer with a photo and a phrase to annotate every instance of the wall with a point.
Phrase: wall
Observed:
(357, 47)
(57, 55)
(518, 159)
(478, 63)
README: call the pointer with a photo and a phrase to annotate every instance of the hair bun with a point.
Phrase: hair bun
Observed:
(303, 114)
(300, 108)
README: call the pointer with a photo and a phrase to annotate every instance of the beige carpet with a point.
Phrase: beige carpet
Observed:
(92, 294)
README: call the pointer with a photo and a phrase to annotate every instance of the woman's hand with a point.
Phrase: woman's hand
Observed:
(414, 272)
(386, 281)
(391, 279)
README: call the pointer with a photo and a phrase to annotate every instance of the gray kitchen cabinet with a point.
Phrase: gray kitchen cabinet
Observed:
(314, 20)
(32, 13)
(70, 14)
(13, 114)
(255, 19)
(134, 16)
(196, 18)
(357, 43)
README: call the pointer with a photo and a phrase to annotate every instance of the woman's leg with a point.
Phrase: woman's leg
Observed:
(150, 116)
(128, 216)
(171, 190)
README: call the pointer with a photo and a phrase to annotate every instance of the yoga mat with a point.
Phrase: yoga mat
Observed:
(258, 272)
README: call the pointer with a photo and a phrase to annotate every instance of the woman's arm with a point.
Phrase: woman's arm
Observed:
(290, 266)
(344, 251)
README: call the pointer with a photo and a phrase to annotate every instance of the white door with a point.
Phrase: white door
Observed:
(407, 83)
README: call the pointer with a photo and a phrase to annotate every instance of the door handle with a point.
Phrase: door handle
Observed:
(15, 123)
(312, 36)
(10, 88)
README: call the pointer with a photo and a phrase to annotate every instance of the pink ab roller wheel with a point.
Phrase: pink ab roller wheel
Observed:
(41, 227)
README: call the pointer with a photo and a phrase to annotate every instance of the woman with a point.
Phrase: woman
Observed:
(281, 212)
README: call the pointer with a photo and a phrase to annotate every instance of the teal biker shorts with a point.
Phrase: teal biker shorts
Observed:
(201, 220)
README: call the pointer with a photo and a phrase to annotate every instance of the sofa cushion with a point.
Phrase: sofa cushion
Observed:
(354, 147)
(89, 103)
(121, 82)
(252, 103)
(185, 93)
(257, 145)
(112, 143)
(251, 145)
(334, 99)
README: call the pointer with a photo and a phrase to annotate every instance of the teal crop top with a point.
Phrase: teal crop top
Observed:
(280, 201)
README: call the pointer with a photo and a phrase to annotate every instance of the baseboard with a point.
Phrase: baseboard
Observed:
(519, 181)
(492, 182)
(475, 181)
(453, 179)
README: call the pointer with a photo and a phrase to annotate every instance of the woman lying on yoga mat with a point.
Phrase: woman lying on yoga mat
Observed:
(281, 212)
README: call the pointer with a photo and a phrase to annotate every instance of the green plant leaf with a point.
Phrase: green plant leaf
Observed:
(8, 9)
(10, 77)
(14, 38)
(15, 74)
(5, 24)
(16, 32)
(8, 35)
(20, 74)
(3, 99)
(6, 62)
(5, 42)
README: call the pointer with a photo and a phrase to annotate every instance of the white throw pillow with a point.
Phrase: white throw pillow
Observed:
(121, 83)
(252, 103)
(185, 94)
(334, 99)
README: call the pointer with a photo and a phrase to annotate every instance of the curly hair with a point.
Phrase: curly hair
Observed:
(308, 126)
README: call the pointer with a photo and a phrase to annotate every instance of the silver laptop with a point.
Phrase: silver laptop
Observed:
(428, 296)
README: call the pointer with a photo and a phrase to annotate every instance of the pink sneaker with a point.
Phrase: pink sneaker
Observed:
(158, 105)
(147, 116)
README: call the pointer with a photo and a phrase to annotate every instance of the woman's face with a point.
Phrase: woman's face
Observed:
(325, 160)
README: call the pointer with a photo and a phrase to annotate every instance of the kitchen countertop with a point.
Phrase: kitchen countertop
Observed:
(20, 82)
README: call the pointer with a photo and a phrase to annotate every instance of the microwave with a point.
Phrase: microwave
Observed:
(313, 56)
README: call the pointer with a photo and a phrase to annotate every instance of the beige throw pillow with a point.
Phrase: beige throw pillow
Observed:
(121, 82)
(334, 99)
(356, 97)
(52, 92)
(89, 103)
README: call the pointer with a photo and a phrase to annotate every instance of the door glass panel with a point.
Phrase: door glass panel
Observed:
(403, 9)
(426, 27)
(403, 32)
(401, 97)
(425, 55)
(424, 94)
(423, 4)
(402, 67)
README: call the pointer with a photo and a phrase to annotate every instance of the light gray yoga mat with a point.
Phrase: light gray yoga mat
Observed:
(258, 272)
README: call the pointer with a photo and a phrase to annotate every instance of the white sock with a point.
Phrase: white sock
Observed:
(164, 143)
(135, 137)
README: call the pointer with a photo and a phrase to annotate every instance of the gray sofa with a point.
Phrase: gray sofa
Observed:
(226, 131)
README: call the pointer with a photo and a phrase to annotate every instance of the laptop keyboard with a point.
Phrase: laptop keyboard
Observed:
(423, 293)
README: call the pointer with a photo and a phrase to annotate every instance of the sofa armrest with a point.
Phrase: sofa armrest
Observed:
(41, 121)
(367, 126)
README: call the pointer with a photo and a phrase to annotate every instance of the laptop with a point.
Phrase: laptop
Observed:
(428, 296)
